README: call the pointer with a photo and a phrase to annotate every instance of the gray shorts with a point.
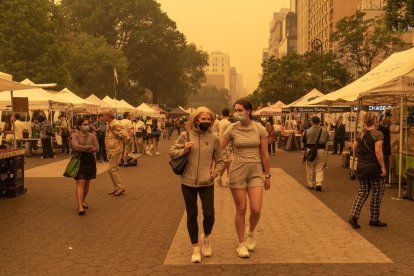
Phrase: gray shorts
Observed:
(246, 175)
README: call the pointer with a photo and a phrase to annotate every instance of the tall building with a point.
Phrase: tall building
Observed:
(218, 71)
(317, 20)
(276, 32)
(234, 85)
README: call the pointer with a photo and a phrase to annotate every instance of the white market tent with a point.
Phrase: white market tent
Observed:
(305, 100)
(272, 110)
(41, 85)
(78, 103)
(38, 99)
(390, 83)
(129, 107)
(393, 77)
(115, 105)
(147, 110)
(94, 99)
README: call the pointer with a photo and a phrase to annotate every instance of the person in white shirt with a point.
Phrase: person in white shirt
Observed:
(127, 124)
(222, 126)
(139, 133)
(18, 131)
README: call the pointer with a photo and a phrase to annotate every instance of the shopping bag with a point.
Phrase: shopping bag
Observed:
(72, 168)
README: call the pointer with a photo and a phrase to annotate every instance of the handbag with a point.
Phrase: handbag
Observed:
(178, 164)
(73, 166)
(313, 152)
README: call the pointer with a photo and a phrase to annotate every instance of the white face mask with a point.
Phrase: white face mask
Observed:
(240, 116)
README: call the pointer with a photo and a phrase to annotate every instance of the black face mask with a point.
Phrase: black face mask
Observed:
(204, 126)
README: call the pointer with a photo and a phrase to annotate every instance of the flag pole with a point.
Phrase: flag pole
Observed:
(115, 83)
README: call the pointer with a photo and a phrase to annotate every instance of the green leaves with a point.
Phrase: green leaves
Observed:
(363, 42)
(292, 76)
(399, 15)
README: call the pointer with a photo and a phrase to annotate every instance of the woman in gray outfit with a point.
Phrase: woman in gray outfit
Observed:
(205, 163)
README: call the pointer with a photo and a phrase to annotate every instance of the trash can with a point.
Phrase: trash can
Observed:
(408, 191)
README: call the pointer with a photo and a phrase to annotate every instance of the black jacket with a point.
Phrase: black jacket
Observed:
(339, 130)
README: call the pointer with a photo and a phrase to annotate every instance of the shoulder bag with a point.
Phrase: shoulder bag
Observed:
(313, 152)
(178, 165)
(72, 168)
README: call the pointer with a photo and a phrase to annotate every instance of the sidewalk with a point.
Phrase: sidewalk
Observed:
(143, 232)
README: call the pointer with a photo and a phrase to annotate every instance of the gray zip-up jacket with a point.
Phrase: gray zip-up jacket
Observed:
(206, 148)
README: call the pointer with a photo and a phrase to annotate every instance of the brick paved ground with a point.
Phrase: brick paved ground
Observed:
(41, 233)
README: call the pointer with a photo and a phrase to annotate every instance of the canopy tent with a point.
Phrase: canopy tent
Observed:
(78, 103)
(147, 110)
(8, 85)
(272, 110)
(129, 107)
(190, 110)
(38, 99)
(177, 112)
(41, 85)
(304, 101)
(116, 105)
(158, 108)
(393, 77)
(95, 100)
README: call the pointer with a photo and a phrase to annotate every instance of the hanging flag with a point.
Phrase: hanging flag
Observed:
(115, 76)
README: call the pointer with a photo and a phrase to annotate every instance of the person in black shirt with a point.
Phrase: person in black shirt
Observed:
(370, 171)
(384, 127)
(339, 128)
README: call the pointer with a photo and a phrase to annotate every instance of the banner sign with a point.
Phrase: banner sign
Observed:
(317, 109)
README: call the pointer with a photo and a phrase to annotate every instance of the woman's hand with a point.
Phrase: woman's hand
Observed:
(267, 184)
(383, 172)
(187, 146)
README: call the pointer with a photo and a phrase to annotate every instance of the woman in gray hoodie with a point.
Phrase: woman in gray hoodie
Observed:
(204, 164)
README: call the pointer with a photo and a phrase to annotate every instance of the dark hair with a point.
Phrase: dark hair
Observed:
(246, 105)
(17, 116)
(41, 118)
(125, 116)
(225, 112)
(100, 115)
(80, 122)
(315, 120)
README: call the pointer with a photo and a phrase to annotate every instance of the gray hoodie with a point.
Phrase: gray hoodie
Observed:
(206, 148)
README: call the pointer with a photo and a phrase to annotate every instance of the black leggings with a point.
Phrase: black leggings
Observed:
(207, 202)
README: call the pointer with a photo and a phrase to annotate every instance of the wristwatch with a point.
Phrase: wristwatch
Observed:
(267, 176)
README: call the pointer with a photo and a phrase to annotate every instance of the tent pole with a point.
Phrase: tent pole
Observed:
(401, 145)
(356, 131)
(14, 130)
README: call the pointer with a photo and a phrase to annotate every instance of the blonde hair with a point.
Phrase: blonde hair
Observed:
(369, 119)
(192, 123)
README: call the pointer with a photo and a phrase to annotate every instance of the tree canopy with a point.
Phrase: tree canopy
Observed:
(399, 15)
(292, 76)
(29, 43)
(362, 42)
(214, 98)
(77, 43)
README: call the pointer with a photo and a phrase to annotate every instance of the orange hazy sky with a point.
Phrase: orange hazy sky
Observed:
(237, 27)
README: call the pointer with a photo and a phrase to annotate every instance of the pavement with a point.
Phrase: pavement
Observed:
(301, 232)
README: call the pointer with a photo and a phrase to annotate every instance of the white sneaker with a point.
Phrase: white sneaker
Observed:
(157, 153)
(250, 242)
(242, 250)
(148, 153)
(206, 249)
(196, 257)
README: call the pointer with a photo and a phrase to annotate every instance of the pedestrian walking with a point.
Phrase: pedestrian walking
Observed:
(129, 129)
(370, 171)
(99, 126)
(203, 148)
(85, 145)
(222, 126)
(139, 133)
(339, 139)
(155, 137)
(271, 137)
(18, 131)
(249, 171)
(114, 141)
(278, 130)
(148, 136)
(384, 127)
(64, 132)
(46, 133)
(315, 137)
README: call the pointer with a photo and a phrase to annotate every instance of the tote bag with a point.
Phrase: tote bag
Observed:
(178, 164)
(73, 166)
